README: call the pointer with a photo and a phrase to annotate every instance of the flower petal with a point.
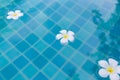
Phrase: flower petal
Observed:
(114, 77)
(118, 69)
(70, 33)
(59, 36)
(103, 73)
(9, 17)
(15, 17)
(103, 63)
(10, 12)
(17, 11)
(113, 62)
(71, 38)
(63, 31)
(20, 14)
(64, 41)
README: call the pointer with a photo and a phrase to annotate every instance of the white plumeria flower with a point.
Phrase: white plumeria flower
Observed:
(110, 68)
(14, 15)
(65, 36)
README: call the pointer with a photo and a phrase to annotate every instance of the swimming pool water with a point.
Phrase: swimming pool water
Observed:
(29, 49)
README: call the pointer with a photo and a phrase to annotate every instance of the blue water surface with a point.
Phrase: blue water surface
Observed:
(30, 51)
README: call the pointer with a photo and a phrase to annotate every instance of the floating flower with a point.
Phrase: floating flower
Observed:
(110, 68)
(65, 36)
(14, 15)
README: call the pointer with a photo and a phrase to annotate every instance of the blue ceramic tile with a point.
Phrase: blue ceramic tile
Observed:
(40, 76)
(49, 53)
(1, 39)
(48, 11)
(57, 45)
(55, 5)
(19, 77)
(3, 62)
(25, 18)
(49, 38)
(24, 32)
(85, 49)
(48, 24)
(40, 62)
(20, 62)
(32, 24)
(56, 17)
(32, 39)
(30, 71)
(41, 5)
(40, 46)
(91, 67)
(20, 47)
(69, 69)
(31, 53)
(12, 53)
(50, 70)
(15, 39)
(58, 61)
(11, 70)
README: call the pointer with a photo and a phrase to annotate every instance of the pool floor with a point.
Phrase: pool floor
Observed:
(59, 39)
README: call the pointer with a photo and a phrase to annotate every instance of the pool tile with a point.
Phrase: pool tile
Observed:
(1, 39)
(69, 69)
(50, 70)
(56, 29)
(40, 62)
(57, 45)
(31, 53)
(30, 71)
(20, 47)
(4, 46)
(32, 25)
(33, 11)
(11, 70)
(3, 24)
(32, 38)
(3, 62)
(40, 46)
(12, 53)
(49, 53)
(56, 17)
(23, 32)
(62, 10)
(48, 11)
(15, 39)
(40, 76)
(18, 77)
(78, 59)
(41, 5)
(85, 49)
(55, 5)
(92, 67)
(58, 61)
(76, 44)
(49, 24)
(67, 51)
(20, 62)
(25, 18)
(49, 38)
(60, 76)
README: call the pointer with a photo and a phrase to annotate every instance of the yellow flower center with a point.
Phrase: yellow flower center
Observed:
(14, 14)
(65, 36)
(110, 70)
